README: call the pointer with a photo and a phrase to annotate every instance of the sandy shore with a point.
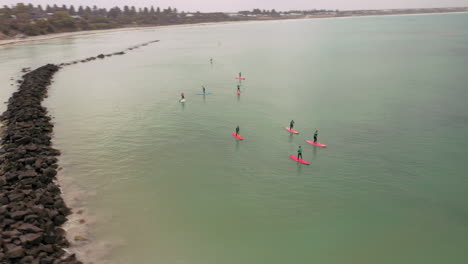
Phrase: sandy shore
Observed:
(103, 31)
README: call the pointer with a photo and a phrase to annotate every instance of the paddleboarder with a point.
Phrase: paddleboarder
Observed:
(211, 60)
(240, 74)
(237, 130)
(315, 135)
(182, 95)
(299, 153)
(238, 88)
(291, 124)
(203, 88)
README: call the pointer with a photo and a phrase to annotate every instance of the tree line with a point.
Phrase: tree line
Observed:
(31, 20)
(37, 20)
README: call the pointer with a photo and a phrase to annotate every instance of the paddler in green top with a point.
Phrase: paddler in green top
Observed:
(299, 153)
(315, 135)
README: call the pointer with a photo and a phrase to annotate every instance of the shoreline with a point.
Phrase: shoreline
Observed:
(7, 42)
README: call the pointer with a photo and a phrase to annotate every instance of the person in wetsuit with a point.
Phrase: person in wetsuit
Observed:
(182, 95)
(315, 135)
(299, 153)
(291, 124)
(237, 130)
(203, 88)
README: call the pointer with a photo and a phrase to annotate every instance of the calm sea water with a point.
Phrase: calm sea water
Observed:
(163, 182)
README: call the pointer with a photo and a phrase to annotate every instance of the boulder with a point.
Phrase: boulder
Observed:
(27, 174)
(15, 252)
(49, 172)
(14, 197)
(29, 228)
(18, 215)
(31, 238)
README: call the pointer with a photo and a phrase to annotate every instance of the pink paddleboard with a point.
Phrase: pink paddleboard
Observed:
(292, 130)
(238, 92)
(240, 78)
(237, 136)
(316, 144)
(293, 157)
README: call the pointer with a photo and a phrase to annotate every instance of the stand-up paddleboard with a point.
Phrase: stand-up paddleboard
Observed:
(237, 136)
(182, 100)
(203, 93)
(292, 130)
(293, 157)
(238, 92)
(318, 144)
(240, 78)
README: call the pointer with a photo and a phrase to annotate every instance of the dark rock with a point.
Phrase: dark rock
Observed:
(47, 260)
(18, 215)
(24, 140)
(31, 238)
(46, 248)
(27, 260)
(30, 217)
(59, 220)
(15, 252)
(27, 174)
(50, 172)
(30, 160)
(29, 228)
(16, 197)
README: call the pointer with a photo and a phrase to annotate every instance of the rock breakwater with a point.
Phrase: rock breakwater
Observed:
(31, 207)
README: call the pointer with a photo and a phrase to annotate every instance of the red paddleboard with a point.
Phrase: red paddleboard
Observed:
(316, 143)
(238, 78)
(238, 92)
(237, 136)
(292, 130)
(293, 157)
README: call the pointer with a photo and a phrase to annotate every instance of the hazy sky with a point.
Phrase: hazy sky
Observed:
(236, 5)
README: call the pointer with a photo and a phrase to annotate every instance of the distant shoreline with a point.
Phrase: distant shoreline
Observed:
(94, 32)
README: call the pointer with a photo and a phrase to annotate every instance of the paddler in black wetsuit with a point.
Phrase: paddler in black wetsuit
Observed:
(291, 124)
(238, 88)
(237, 130)
(203, 88)
(315, 135)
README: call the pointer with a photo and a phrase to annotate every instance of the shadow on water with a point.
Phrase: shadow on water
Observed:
(290, 137)
(238, 98)
(183, 105)
(314, 151)
(204, 98)
(237, 145)
(299, 168)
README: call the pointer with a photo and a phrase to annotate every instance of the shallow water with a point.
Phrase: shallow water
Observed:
(164, 182)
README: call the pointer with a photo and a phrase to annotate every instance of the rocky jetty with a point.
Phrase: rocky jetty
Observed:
(31, 207)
